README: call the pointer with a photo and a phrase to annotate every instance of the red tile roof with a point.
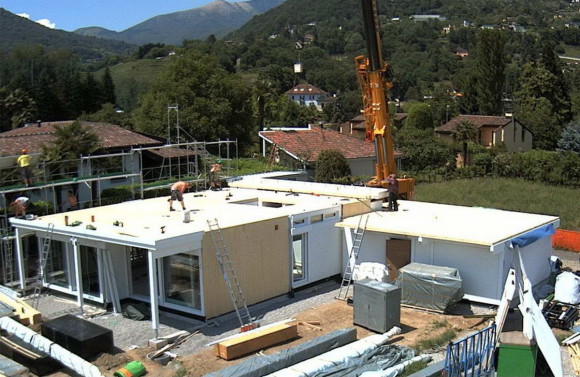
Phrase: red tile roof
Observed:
(111, 137)
(305, 89)
(307, 143)
(477, 120)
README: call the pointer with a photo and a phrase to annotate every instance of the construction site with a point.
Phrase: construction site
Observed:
(232, 269)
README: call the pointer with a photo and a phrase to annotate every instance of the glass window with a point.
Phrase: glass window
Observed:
(298, 256)
(139, 271)
(298, 221)
(330, 215)
(90, 271)
(182, 286)
(57, 267)
(316, 219)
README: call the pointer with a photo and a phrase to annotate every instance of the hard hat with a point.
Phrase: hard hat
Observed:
(219, 161)
(24, 151)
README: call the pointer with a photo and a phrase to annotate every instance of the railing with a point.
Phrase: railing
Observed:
(472, 356)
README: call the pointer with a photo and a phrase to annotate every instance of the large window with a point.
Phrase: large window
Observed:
(139, 272)
(181, 272)
(57, 270)
(90, 271)
(299, 257)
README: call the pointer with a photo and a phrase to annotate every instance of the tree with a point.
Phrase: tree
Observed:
(534, 108)
(422, 150)
(420, 117)
(16, 109)
(490, 71)
(331, 166)
(570, 140)
(464, 133)
(107, 88)
(70, 142)
(558, 93)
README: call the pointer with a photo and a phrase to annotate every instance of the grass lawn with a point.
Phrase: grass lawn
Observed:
(508, 194)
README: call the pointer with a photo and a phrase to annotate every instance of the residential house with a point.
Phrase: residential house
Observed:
(113, 139)
(491, 131)
(306, 95)
(357, 127)
(300, 147)
(280, 234)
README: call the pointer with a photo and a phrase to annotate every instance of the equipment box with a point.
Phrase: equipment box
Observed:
(377, 305)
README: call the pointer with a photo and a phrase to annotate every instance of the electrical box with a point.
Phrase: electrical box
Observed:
(377, 305)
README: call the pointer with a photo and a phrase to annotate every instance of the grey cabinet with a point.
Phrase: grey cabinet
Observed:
(377, 305)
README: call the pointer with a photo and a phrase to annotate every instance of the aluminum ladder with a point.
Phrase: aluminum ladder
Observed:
(7, 247)
(229, 275)
(359, 233)
(42, 265)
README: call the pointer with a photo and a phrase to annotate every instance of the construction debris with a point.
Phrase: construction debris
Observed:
(575, 355)
(23, 312)
(311, 325)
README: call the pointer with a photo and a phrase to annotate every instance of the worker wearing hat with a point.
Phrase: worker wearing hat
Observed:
(24, 166)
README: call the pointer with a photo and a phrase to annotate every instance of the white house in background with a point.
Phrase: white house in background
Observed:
(306, 95)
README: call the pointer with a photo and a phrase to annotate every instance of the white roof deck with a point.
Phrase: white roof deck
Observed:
(267, 181)
(473, 225)
(143, 220)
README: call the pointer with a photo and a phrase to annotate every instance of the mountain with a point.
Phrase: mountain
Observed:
(17, 31)
(217, 18)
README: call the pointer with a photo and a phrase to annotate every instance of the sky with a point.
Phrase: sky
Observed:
(114, 15)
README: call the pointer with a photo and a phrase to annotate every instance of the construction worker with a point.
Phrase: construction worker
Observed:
(177, 191)
(214, 179)
(19, 206)
(393, 192)
(24, 166)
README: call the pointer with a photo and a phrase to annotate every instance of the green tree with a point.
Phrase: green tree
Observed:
(558, 92)
(422, 150)
(107, 88)
(420, 117)
(70, 142)
(570, 140)
(464, 133)
(331, 166)
(490, 71)
(534, 108)
(16, 108)
(213, 103)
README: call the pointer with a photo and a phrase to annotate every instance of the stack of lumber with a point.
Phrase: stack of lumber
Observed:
(256, 340)
(23, 312)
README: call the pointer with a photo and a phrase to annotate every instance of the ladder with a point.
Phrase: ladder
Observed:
(7, 247)
(272, 156)
(229, 275)
(359, 232)
(42, 265)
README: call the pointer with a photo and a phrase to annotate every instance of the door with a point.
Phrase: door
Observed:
(139, 272)
(398, 256)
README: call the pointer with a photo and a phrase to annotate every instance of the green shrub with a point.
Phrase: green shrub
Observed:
(331, 167)
(113, 195)
(41, 208)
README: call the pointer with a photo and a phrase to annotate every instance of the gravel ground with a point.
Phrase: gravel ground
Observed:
(129, 333)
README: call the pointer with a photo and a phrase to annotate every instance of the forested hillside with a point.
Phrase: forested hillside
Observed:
(484, 58)
(16, 31)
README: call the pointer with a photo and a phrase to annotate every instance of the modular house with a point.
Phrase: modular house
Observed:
(278, 241)
(478, 242)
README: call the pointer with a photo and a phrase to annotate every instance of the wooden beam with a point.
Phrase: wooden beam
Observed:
(25, 313)
(256, 340)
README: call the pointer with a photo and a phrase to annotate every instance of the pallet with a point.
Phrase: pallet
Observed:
(256, 340)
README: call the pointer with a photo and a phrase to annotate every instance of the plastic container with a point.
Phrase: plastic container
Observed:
(133, 369)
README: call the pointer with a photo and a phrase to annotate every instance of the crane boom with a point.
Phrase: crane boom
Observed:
(375, 78)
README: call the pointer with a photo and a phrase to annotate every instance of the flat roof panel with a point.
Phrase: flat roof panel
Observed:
(473, 225)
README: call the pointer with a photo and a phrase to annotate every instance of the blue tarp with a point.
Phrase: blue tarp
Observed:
(533, 236)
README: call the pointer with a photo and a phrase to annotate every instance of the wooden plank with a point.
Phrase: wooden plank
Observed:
(25, 313)
(256, 340)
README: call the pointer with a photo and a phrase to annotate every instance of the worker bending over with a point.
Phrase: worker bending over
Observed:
(177, 191)
(18, 206)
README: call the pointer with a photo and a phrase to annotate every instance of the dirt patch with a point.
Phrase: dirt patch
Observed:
(415, 325)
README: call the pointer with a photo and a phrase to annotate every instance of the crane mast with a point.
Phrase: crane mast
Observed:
(375, 78)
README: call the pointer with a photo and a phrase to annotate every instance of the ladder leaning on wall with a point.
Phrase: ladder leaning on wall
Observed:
(229, 275)
(42, 265)
(359, 233)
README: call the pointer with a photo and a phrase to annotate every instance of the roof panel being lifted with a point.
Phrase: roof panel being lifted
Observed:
(261, 182)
